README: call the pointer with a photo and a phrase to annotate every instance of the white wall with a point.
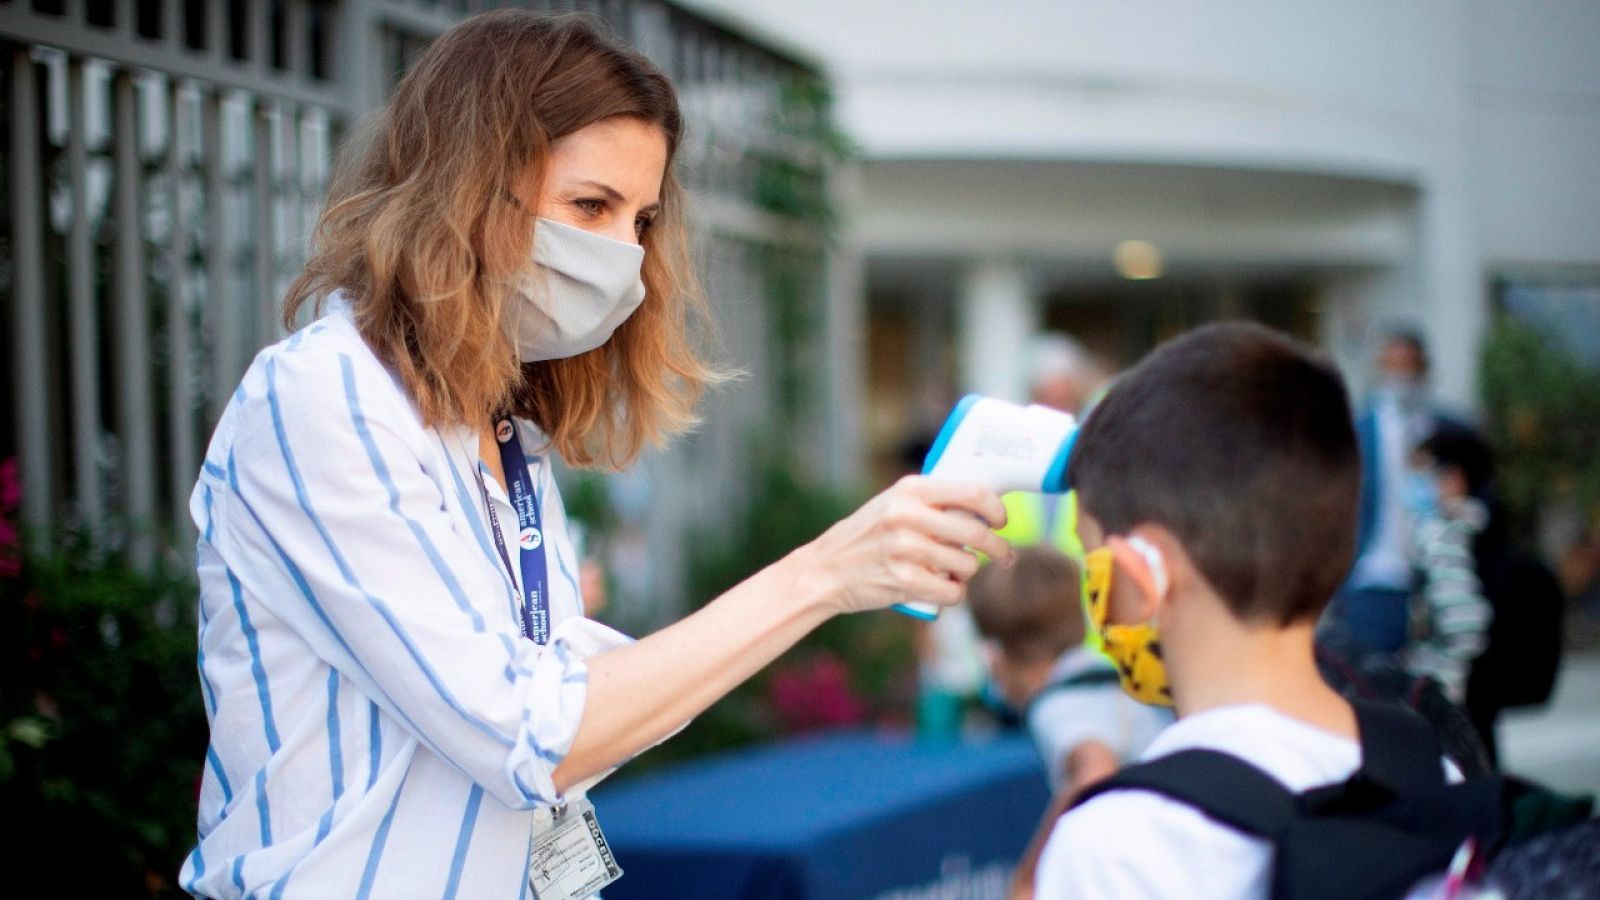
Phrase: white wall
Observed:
(1535, 97)
(1486, 111)
(1348, 86)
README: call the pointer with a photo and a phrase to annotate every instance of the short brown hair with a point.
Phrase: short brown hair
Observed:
(1239, 441)
(416, 232)
(1032, 609)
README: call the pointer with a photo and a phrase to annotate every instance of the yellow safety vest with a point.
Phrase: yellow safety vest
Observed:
(1027, 525)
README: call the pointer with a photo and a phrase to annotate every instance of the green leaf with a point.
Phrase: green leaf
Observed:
(30, 730)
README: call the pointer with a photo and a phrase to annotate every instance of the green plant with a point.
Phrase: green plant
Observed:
(101, 726)
(791, 170)
(1544, 416)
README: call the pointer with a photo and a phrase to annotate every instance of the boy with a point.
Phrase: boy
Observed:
(1084, 726)
(1217, 484)
(1450, 615)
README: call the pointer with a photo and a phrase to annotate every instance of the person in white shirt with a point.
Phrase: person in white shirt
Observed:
(1066, 694)
(403, 692)
(1218, 486)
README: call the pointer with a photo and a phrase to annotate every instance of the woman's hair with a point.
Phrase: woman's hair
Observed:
(418, 235)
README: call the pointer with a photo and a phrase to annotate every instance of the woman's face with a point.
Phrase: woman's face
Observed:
(606, 178)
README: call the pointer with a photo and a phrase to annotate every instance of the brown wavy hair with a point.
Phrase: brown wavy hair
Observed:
(418, 237)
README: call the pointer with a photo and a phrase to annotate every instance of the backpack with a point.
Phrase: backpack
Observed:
(1374, 676)
(1519, 665)
(1394, 822)
(1558, 865)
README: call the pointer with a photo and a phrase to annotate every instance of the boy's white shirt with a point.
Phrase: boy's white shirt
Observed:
(1129, 844)
(1061, 720)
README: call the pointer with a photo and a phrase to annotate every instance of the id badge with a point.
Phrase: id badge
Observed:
(570, 859)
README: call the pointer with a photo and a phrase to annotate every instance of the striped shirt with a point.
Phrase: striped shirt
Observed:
(379, 725)
(1450, 615)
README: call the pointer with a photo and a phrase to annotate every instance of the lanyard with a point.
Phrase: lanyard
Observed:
(530, 537)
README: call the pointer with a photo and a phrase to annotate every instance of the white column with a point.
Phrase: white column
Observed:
(1454, 295)
(997, 317)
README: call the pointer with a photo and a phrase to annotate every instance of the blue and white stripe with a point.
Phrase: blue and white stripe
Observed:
(379, 726)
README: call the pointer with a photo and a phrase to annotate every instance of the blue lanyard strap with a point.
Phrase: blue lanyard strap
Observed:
(530, 536)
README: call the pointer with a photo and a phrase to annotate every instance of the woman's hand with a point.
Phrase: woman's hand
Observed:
(908, 543)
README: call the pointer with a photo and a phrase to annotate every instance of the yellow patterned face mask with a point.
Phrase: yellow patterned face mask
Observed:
(1134, 649)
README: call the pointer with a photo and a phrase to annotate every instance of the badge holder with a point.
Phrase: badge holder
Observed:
(569, 858)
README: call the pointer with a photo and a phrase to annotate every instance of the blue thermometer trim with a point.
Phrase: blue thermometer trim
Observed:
(1055, 478)
(951, 424)
(903, 609)
(948, 431)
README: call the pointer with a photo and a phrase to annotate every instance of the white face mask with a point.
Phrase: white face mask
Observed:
(578, 289)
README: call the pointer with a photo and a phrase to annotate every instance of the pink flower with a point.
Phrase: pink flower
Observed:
(10, 565)
(10, 485)
(10, 496)
(816, 694)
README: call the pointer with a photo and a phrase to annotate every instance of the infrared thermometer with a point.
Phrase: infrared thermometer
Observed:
(1004, 447)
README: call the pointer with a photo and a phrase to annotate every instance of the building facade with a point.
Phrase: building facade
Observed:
(1332, 169)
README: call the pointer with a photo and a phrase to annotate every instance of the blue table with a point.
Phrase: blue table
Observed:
(850, 815)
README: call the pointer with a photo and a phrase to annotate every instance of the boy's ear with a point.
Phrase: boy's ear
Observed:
(1141, 583)
(1181, 572)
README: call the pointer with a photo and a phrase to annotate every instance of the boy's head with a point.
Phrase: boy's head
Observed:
(1032, 614)
(1238, 443)
(1461, 463)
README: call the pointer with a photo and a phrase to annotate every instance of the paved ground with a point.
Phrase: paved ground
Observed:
(1559, 745)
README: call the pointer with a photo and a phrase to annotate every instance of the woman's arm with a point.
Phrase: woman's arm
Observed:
(905, 544)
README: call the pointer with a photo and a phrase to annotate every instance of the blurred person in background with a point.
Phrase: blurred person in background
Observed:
(404, 694)
(1449, 613)
(1372, 609)
(1068, 696)
(1522, 643)
(949, 663)
(1065, 376)
(1033, 626)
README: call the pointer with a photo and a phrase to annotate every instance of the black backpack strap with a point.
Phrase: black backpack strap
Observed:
(1398, 747)
(1221, 786)
(1395, 820)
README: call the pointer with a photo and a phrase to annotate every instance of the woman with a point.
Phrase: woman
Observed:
(404, 694)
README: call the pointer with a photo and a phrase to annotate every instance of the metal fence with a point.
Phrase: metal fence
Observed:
(165, 160)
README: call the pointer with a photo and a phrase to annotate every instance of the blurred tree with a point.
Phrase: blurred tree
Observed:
(102, 732)
(1543, 408)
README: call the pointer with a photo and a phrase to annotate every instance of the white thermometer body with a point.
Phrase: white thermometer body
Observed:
(1002, 446)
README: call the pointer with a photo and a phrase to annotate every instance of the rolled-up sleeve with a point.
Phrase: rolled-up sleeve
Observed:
(345, 537)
